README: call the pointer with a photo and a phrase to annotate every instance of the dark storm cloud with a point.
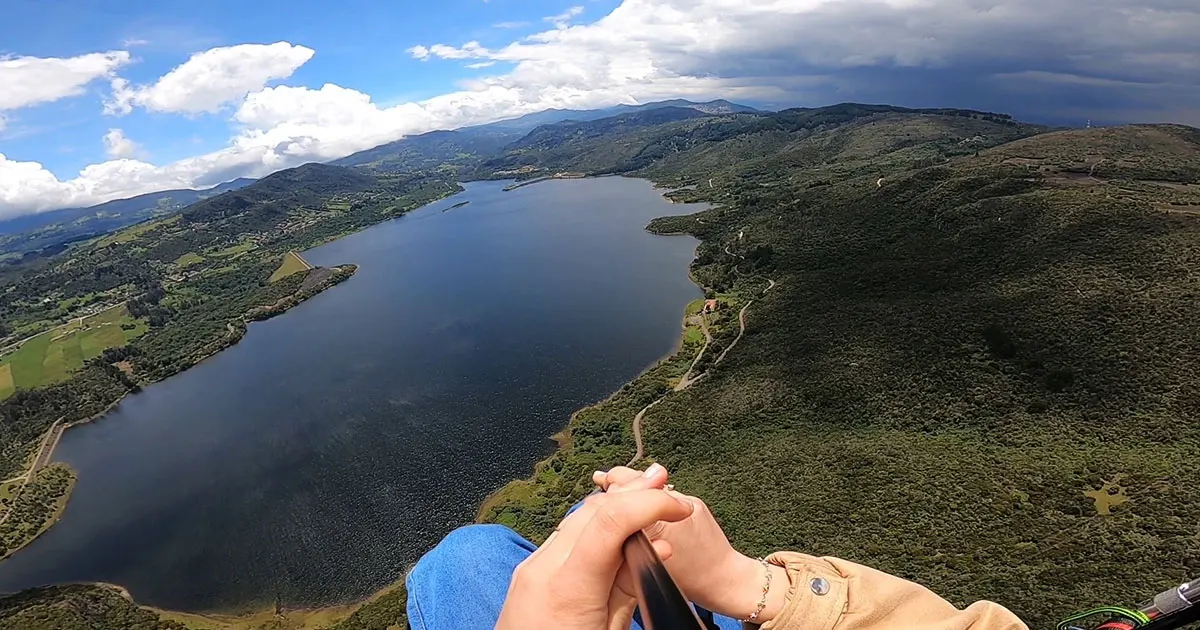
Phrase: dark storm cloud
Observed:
(1109, 60)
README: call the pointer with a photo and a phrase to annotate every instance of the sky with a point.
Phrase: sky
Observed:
(102, 100)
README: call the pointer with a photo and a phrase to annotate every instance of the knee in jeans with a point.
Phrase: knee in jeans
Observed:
(463, 550)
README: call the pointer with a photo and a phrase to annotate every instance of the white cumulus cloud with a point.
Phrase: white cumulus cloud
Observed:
(28, 186)
(117, 145)
(563, 20)
(26, 81)
(210, 79)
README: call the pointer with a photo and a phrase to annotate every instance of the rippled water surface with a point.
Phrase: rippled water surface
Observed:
(320, 456)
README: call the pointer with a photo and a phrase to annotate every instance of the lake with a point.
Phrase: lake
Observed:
(317, 459)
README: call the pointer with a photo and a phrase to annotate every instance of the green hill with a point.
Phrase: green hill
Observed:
(459, 151)
(449, 151)
(953, 356)
(46, 234)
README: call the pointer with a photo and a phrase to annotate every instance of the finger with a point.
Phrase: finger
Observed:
(622, 479)
(617, 479)
(664, 549)
(596, 547)
(659, 529)
(620, 474)
(625, 582)
(571, 526)
(686, 497)
(575, 521)
(620, 610)
(546, 544)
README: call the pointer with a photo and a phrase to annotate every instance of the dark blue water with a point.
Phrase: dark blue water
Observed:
(318, 458)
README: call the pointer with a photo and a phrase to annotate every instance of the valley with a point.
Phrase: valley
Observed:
(970, 326)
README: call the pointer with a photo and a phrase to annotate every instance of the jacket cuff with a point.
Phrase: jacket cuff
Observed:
(816, 596)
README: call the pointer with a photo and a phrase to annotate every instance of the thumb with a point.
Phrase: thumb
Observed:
(596, 555)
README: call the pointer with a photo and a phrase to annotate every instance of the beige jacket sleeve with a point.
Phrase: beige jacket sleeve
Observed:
(832, 594)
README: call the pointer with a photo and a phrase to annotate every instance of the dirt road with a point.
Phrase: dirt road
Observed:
(687, 381)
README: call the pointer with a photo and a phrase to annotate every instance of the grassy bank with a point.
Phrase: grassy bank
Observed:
(381, 611)
(313, 619)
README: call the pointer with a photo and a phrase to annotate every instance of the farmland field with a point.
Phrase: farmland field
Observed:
(51, 356)
(188, 259)
(292, 263)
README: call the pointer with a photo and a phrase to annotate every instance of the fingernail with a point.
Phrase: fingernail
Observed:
(654, 469)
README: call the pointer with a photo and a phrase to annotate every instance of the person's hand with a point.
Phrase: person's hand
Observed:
(576, 580)
(704, 565)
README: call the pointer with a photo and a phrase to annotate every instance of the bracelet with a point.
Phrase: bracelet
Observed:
(762, 603)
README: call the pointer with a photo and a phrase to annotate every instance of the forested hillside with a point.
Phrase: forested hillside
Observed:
(45, 234)
(77, 607)
(965, 342)
(968, 356)
(447, 151)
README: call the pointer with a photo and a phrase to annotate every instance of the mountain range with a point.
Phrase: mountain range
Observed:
(47, 233)
(455, 150)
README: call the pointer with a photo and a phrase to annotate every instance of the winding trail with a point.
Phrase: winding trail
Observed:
(687, 382)
(637, 432)
(741, 331)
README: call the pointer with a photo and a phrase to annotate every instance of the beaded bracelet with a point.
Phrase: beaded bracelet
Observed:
(762, 603)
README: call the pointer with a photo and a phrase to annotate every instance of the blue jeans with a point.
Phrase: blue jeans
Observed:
(462, 582)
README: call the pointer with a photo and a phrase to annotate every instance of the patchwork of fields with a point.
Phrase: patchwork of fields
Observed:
(51, 356)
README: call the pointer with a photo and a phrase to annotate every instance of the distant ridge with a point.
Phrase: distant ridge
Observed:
(181, 197)
(50, 232)
(464, 148)
(529, 121)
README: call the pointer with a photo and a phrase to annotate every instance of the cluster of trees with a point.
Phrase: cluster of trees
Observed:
(77, 607)
(33, 507)
(42, 293)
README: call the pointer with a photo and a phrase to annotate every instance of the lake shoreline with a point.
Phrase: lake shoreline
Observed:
(341, 274)
(330, 614)
(675, 359)
(563, 437)
(60, 505)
